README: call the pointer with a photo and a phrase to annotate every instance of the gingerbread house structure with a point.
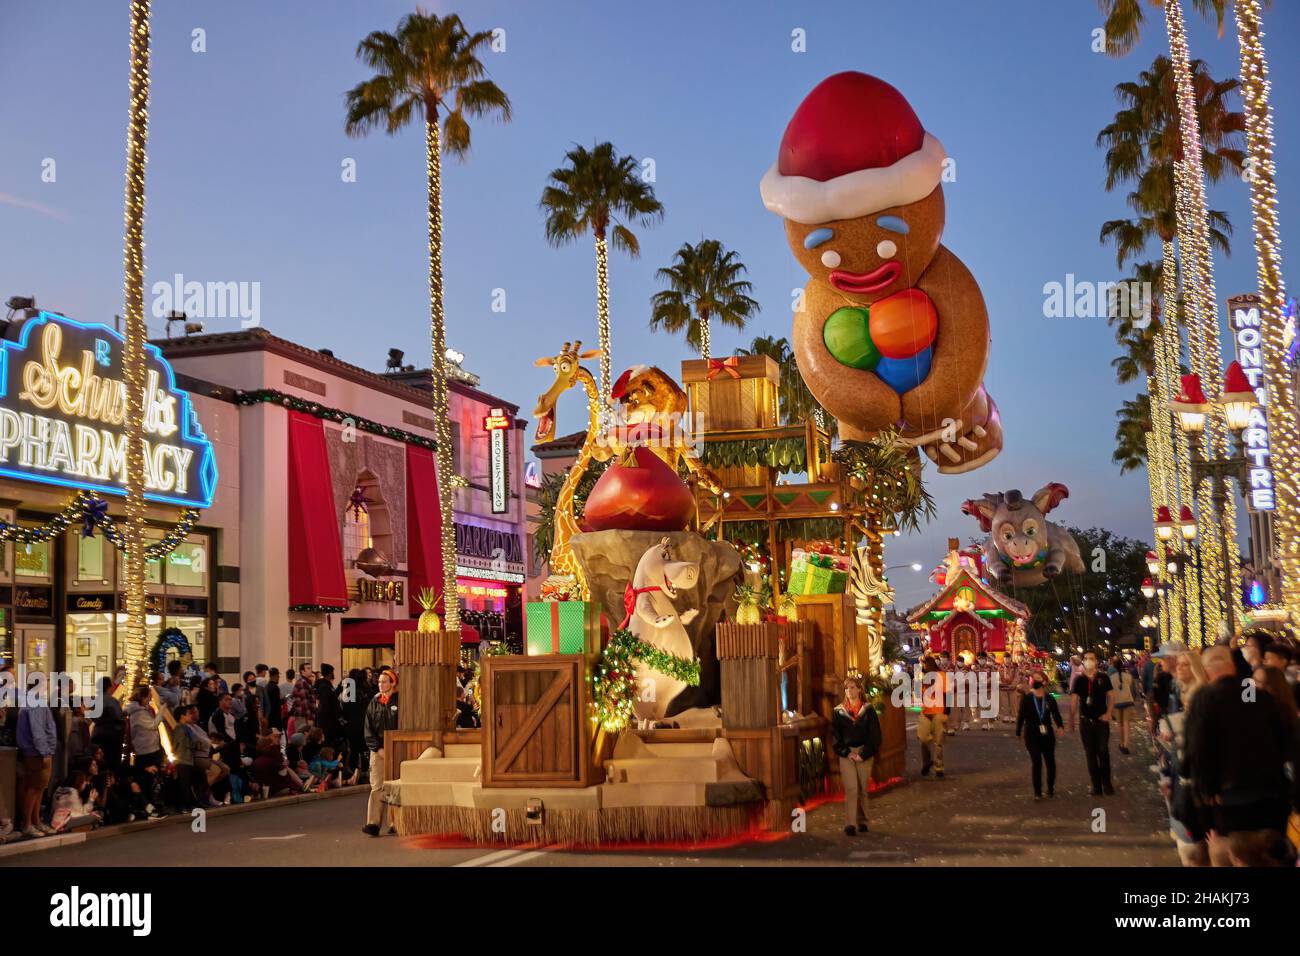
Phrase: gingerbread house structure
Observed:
(967, 615)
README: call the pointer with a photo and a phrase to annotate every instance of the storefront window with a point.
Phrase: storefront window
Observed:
(6, 636)
(32, 560)
(187, 566)
(89, 647)
(302, 645)
(152, 569)
(93, 561)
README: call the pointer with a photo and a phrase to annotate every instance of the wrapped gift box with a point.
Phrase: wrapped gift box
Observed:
(563, 627)
(811, 579)
(739, 391)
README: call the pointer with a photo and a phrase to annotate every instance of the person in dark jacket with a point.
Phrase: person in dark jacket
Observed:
(109, 731)
(855, 738)
(1238, 745)
(356, 698)
(274, 701)
(1038, 711)
(329, 713)
(381, 715)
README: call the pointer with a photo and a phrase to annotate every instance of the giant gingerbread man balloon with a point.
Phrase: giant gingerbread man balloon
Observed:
(892, 330)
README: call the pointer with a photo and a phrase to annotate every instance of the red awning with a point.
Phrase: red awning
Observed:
(423, 525)
(315, 549)
(380, 633)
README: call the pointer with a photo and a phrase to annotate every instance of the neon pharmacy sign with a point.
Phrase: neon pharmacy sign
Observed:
(1245, 312)
(63, 413)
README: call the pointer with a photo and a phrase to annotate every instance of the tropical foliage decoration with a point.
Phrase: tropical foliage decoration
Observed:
(547, 496)
(788, 455)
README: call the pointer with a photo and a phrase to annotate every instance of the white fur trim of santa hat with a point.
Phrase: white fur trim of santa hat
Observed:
(858, 193)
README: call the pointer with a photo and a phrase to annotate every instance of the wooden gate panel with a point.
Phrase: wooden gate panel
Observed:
(536, 728)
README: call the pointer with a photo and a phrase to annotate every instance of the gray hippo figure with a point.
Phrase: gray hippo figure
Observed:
(1024, 548)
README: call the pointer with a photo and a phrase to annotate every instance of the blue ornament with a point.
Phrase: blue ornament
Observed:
(905, 374)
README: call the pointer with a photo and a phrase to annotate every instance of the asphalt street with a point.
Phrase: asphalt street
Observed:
(983, 813)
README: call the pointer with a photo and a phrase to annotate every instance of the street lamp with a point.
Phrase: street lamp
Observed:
(1238, 398)
(1153, 563)
(1191, 405)
(1165, 524)
(1187, 522)
(1237, 405)
(1148, 589)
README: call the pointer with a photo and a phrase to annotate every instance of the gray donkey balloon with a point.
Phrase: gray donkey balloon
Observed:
(1023, 547)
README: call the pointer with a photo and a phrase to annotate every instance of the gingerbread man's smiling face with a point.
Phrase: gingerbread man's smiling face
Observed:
(873, 256)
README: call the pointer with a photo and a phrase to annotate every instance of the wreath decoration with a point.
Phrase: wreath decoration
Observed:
(173, 638)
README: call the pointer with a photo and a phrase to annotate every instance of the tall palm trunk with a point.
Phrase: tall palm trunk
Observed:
(602, 315)
(1181, 604)
(443, 456)
(1268, 256)
(705, 343)
(134, 651)
(1220, 571)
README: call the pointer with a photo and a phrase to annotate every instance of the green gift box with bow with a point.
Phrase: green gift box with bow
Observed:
(562, 627)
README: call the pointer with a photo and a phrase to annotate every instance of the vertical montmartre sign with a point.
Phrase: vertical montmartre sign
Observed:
(1246, 335)
(63, 415)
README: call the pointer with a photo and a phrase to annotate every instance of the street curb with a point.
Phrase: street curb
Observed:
(22, 847)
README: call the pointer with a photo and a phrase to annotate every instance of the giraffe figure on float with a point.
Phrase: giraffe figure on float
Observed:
(568, 373)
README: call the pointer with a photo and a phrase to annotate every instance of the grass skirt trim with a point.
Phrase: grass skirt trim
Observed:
(589, 827)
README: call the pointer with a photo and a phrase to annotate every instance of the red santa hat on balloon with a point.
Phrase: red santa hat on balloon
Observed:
(853, 147)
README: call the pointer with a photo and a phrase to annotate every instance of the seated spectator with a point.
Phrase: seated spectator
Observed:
(273, 774)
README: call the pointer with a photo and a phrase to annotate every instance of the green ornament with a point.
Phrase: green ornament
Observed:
(847, 338)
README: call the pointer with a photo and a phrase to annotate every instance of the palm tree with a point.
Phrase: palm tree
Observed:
(704, 282)
(1133, 423)
(135, 650)
(430, 70)
(599, 192)
(1283, 420)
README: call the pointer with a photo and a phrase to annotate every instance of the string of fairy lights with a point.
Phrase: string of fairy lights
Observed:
(134, 649)
(438, 372)
(1169, 449)
(602, 316)
(1283, 428)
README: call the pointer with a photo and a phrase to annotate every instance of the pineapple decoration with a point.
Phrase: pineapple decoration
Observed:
(789, 609)
(747, 611)
(429, 622)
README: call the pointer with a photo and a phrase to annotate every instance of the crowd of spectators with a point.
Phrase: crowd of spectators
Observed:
(187, 740)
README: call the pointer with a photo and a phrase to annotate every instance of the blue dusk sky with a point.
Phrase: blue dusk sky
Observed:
(246, 152)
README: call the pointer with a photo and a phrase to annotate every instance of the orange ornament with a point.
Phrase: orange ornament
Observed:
(903, 324)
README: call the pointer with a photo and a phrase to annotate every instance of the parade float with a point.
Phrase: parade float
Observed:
(724, 573)
(967, 616)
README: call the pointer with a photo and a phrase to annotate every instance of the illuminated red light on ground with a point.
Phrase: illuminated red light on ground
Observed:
(756, 833)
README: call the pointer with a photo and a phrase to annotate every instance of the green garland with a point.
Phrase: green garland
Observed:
(86, 507)
(316, 409)
(787, 529)
(317, 608)
(788, 455)
(613, 680)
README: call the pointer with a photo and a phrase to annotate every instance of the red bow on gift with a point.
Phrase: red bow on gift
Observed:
(630, 595)
(728, 365)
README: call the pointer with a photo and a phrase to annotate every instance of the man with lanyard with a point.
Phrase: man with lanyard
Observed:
(1096, 700)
